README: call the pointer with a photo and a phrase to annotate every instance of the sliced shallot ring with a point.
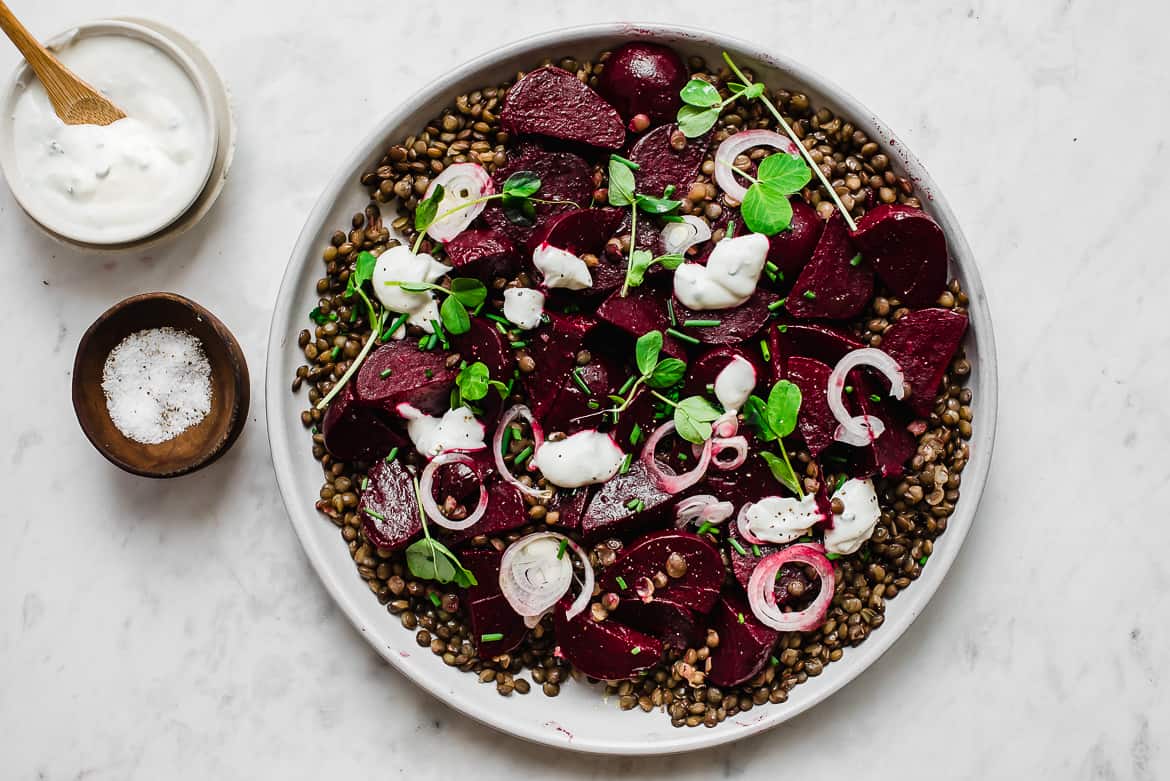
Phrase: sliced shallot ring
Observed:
(703, 508)
(862, 429)
(678, 237)
(664, 478)
(741, 523)
(518, 411)
(738, 444)
(529, 603)
(431, 507)
(456, 179)
(738, 144)
(761, 589)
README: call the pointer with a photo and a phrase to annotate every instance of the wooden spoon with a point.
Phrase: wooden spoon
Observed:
(75, 102)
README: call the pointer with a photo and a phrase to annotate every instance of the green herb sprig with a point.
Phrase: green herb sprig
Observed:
(464, 294)
(653, 372)
(693, 417)
(702, 104)
(363, 271)
(623, 192)
(773, 420)
(430, 559)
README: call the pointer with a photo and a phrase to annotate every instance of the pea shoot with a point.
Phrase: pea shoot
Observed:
(623, 192)
(773, 420)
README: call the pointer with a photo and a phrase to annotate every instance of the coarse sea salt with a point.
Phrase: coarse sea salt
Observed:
(157, 384)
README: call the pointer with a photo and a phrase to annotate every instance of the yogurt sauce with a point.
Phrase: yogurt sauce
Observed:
(125, 180)
(399, 264)
(456, 430)
(523, 306)
(734, 383)
(561, 268)
(856, 523)
(729, 278)
(583, 458)
(783, 518)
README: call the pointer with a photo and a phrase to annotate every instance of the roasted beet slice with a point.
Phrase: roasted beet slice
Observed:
(609, 511)
(483, 342)
(745, 644)
(388, 508)
(483, 254)
(642, 310)
(908, 251)
(923, 343)
(505, 511)
(399, 372)
(670, 622)
(742, 564)
(564, 176)
(791, 249)
(356, 433)
(735, 325)
(643, 78)
(815, 422)
(830, 285)
(895, 446)
(604, 649)
(554, 348)
(484, 564)
(585, 231)
(569, 505)
(699, 584)
(491, 616)
(555, 103)
(662, 166)
(811, 340)
(703, 371)
(572, 412)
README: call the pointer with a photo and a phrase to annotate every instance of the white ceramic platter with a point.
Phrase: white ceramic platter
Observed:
(578, 719)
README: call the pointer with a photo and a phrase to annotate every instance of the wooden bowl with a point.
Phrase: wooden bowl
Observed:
(199, 445)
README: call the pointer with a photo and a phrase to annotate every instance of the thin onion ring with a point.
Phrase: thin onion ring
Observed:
(518, 597)
(518, 411)
(678, 237)
(701, 507)
(736, 145)
(738, 444)
(862, 429)
(470, 176)
(663, 477)
(761, 589)
(741, 524)
(426, 485)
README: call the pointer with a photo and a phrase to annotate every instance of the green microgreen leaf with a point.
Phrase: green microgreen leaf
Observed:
(694, 121)
(653, 205)
(667, 373)
(363, 269)
(473, 381)
(424, 213)
(783, 407)
(470, 292)
(621, 183)
(692, 419)
(784, 171)
(766, 208)
(520, 211)
(697, 92)
(646, 351)
(454, 315)
(318, 317)
(782, 471)
(755, 415)
(522, 184)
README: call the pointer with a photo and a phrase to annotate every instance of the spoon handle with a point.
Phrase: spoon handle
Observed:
(39, 58)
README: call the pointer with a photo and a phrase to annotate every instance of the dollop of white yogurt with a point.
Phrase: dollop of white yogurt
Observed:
(523, 306)
(456, 430)
(399, 264)
(122, 181)
(584, 458)
(729, 278)
(561, 268)
(855, 525)
(783, 518)
(734, 383)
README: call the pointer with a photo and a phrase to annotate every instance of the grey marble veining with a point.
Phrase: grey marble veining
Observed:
(152, 630)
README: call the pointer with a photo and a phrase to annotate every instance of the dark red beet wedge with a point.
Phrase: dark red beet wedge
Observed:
(388, 508)
(745, 644)
(923, 343)
(482, 254)
(642, 310)
(505, 511)
(569, 504)
(491, 616)
(791, 249)
(356, 433)
(484, 564)
(703, 371)
(815, 422)
(811, 340)
(742, 564)
(484, 343)
(553, 102)
(585, 231)
(609, 511)
(604, 649)
(554, 349)
(399, 372)
(571, 412)
(662, 166)
(895, 446)
(699, 585)
(830, 285)
(644, 78)
(663, 618)
(907, 249)
(735, 325)
(564, 176)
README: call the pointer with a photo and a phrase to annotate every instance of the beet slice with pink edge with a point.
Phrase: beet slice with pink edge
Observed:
(735, 325)
(398, 372)
(742, 564)
(564, 176)
(505, 511)
(609, 513)
(815, 422)
(890, 451)
(552, 102)
(554, 348)
(569, 504)
(483, 254)
(745, 644)
(642, 310)
(704, 370)
(662, 166)
(606, 650)
(492, 616)
(831, 286)
(642, 559)
(644, 78)
(354, 432)
(791, 249)
(811, 340)
(924, 343)
(672, 623)
(388, 507)
(585, 231)
(907, 249)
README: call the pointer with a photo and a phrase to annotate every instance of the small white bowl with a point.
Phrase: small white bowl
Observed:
(207, 86)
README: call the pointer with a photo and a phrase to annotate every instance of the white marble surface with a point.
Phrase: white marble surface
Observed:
(174, 630)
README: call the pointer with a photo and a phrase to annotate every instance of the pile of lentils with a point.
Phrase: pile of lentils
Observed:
(915, 506)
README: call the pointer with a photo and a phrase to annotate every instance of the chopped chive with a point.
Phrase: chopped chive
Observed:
(706, 527)
(385, 373)
(491, 637)
(621, 582)
(681, 456)
(398, 323)
(809, 294)
(502, 328)
(756, 551)
(519, 345)
(430, 374)
(365, 483)
(441, 334)
(775, 662)
(738, 548)
(593, 404)
(848, 388)
(629, 459)
(628, 163)
(739, 617)
(633, 504)
(375, 514)
(670, 311)
(772, 267)
(669, 191)
(855, 260)
(636, 650)
(730, 231)
(777, 304)
(314, 430)
(506, 440)
(635, 434)
(335, 353)
(922, 561)
(764, 351)
(353, 314)
(333, 316)
(700, 323)
(783, 328)
(496, 318)
(681, 336)
(626, 388)
(580, 381)
(435, 599)
(832, 556)
(561, 550)
(771, 276)
(393, 454)
(617, 399)
(522, 456)
(874, 398)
